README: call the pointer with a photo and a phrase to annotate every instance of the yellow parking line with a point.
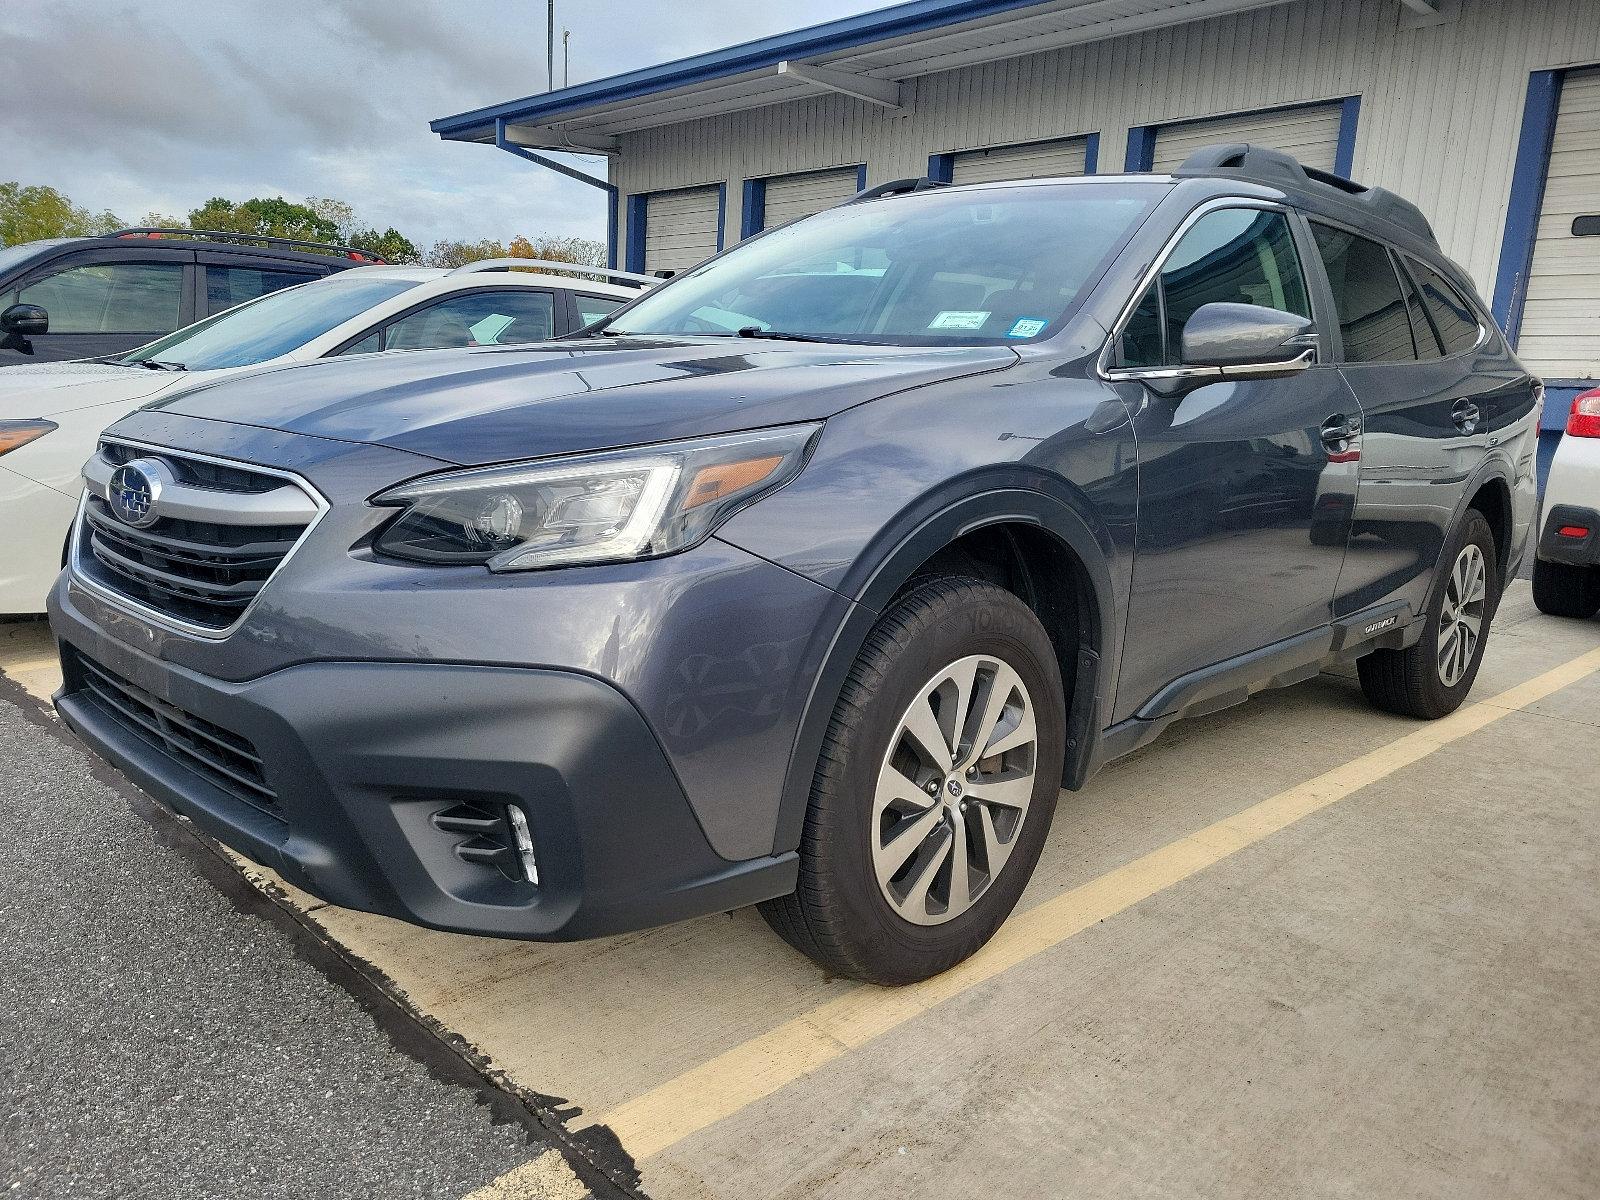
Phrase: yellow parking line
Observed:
(672, 1111)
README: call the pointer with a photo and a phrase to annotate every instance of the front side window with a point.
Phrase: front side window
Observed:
(111, 298)
(505, 318)
(1453, 317)
(1367, 296)
(592, 308)
(994, 266)
(1230, 256)
(228, 286)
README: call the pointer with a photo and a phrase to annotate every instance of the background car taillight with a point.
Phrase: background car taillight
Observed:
(1585, 418)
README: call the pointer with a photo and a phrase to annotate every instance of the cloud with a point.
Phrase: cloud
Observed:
(163, 105)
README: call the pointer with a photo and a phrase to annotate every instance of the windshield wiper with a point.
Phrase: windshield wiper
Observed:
(778, 335)
(156, 364)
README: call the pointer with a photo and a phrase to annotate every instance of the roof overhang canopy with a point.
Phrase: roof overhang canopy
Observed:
(866, 56)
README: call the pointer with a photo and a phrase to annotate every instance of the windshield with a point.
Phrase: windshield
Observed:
(273, 325)
(988, 266)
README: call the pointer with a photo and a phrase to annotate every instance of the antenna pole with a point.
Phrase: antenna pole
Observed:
(550, 41)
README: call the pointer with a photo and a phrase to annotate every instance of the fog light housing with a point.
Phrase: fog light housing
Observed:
(524, 843)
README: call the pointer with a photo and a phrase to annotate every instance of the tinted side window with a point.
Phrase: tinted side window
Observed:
(1452, 315)
(1142, 344)
(592, 308)
(1236, 256)
(1372, 311)
(1422, 335)
(481, 319)
(228, 286)
(111, 298)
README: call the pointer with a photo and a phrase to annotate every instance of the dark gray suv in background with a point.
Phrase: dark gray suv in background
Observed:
(809, 578)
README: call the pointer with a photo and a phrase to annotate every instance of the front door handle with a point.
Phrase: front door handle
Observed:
(1342, 437)
(1466, 415)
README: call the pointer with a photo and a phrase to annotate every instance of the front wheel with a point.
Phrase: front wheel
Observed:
(934, 790)
(1431, 678)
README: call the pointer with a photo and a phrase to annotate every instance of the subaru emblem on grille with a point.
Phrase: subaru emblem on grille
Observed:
(134, 492)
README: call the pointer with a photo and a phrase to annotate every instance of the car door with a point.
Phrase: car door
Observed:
(482, 317)
(1243, 506)
(106, 302)
(1423, 434)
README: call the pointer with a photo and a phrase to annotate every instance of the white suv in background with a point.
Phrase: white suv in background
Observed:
(1566, 571)
(51, 414)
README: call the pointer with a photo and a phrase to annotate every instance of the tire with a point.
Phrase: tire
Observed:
(1564, 590)
(895, 931)
(1414, 682)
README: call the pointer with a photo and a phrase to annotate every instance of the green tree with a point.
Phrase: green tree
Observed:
(459, 254)
(391, 245)
(28, 214)
(265, 217)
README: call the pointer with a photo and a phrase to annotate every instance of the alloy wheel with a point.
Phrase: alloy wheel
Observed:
(953, 790)
(1461, 618)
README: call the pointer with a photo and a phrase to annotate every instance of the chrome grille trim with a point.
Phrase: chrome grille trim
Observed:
(298, 501)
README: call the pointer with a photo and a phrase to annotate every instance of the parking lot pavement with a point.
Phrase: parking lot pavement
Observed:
(1295, 948)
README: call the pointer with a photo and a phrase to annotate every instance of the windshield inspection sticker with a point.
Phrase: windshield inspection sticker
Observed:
(1027, 327)
(958, 319)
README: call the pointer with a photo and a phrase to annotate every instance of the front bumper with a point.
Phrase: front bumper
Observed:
(356, 758)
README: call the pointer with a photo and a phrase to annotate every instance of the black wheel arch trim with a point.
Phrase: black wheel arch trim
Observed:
(1016, 496)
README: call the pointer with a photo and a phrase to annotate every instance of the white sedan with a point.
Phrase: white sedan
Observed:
(1566, 568)
(52, 414)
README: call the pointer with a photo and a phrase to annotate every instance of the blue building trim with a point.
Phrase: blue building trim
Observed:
(638, 217)
(539, 160)
(1344, 156)
(861, 178)
(941, 167)
(1141, 153)
(1091, 153)
(1527, 196)
(612, 203)
(902, 20)
(722, 212)
(753, 210)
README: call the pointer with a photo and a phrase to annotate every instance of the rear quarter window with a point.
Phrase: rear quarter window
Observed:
(1453, 316)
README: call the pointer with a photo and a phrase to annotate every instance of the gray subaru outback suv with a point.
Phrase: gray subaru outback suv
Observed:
(810, 578)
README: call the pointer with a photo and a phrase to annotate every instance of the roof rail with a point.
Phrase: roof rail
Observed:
(897, 187)
(509, 264)
(249, 239)
(1244, 161)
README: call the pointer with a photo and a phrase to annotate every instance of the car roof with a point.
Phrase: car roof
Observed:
(474, 280)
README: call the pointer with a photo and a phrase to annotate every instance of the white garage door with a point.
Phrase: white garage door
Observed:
(1028, 161)
(1310, 134)
(1560, 335)
(790, 197)
(680, 229)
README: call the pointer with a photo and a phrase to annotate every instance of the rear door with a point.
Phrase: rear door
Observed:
(106, 301)
(1424, 432)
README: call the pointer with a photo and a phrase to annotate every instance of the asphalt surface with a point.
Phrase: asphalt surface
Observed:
(161, 1036)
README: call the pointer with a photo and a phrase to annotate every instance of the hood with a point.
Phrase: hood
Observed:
(43, 389)
(494, 405)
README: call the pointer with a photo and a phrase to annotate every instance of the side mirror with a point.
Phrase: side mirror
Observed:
(1266, 341)
(25, 320)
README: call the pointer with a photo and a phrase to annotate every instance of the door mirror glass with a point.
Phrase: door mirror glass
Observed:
(1241, 335)
(25, 320)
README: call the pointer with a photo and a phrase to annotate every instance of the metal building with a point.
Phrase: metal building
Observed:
(1484, 112)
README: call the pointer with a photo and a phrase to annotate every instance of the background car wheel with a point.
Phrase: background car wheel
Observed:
(1564, 590)
(1433, 677)
(934, 790)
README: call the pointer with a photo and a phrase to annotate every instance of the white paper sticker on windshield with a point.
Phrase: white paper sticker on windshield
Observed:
(958, 319)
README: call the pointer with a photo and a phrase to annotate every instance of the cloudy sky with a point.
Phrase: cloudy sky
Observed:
(161, 105)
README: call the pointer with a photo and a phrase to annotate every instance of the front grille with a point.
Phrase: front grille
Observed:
(202, 572)
(223, 758)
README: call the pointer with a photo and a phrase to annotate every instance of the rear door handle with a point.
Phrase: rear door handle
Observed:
(1342, 437)
(1466, 415)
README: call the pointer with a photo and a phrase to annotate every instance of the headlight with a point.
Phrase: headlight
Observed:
(589, 508)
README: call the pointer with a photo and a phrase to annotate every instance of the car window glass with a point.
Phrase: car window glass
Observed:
(592, 308)
(111, 298)
(1142, 344)
(481, 319)
(227, 286)
(997, 266)
(1366, 294)
(1422, 335)
(1232, 256)
(370, 344)
(1454, 317)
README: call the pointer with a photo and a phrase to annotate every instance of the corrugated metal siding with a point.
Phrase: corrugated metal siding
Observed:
(790, 197)
(1061, 157)
(1440, 106)
(1560, 336)
(680, 229)
(1310, 134)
